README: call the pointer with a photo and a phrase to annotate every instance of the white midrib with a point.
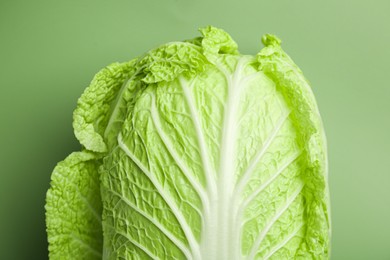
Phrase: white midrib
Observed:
(226, 247)
(217, 242)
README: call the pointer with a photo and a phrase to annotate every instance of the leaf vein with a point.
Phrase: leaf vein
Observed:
(195, 184)
(166, 232)
(283, 243)
(248, 172)
(264, 232)
(211, 185)
(182, 221)
(269, 181)
(135, 243)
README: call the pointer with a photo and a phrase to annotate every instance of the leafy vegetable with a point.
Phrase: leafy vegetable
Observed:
(194, 151)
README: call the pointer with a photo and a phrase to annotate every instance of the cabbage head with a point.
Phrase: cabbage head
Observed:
(194, 151)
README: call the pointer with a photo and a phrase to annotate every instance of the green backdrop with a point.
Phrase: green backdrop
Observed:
(50, 50)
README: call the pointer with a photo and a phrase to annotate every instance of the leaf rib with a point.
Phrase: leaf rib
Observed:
(284, 242)
(264, 232)
(135, 243)
(238, 214)
(211, 184)
(166, 232)
(248, 172)
(171, 204)
(195, 184)
(269, 181)
(226, 169)
(252, 110)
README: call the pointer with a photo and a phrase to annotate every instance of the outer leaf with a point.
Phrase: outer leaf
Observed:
(216, 41)
(168, 61)
(73, 209)
(296, 90)
(93, 108)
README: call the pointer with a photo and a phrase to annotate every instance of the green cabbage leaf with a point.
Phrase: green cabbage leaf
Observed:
(195, 151)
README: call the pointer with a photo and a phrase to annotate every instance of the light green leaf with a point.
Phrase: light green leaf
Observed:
(169, 61)
(74, 209)
(93, 107)
(296, 90)
(229, 163)
(216, 41)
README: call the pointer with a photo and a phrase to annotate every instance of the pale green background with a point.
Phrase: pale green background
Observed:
(50, 50)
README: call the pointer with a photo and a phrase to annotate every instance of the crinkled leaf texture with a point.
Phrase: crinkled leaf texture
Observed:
(74, 209)
(203, 153)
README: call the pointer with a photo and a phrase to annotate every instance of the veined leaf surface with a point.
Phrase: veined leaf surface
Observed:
(211, 154)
